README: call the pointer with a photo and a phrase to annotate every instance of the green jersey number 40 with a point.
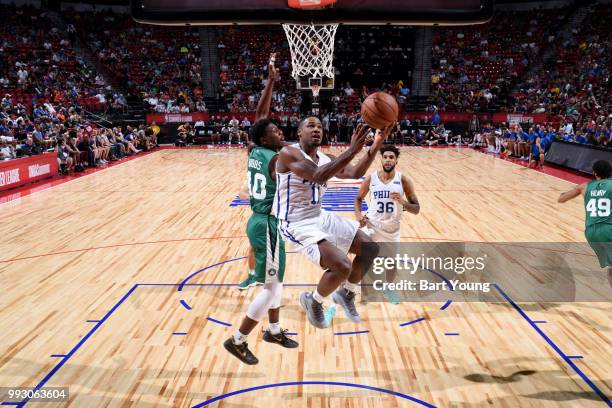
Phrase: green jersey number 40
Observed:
(257, 185)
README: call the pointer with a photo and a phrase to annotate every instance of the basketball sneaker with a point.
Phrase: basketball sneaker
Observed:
(314, 310)
(391, 296)
(280, 338)
(330, 312)
(248, 282)
(346, 299)
(240, 351)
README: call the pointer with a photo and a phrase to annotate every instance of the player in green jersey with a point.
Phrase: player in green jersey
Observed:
(598, 207)
(266, 242)
(250, 280)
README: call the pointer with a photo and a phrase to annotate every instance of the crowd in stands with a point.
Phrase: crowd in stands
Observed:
(77, 142)
(160, 64)
(38, 65)
(45, 84)
(92, 147)
(575, 84)
(244, 54)
(474, 67)
(478, 69)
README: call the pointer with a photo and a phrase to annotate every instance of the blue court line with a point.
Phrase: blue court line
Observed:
(451, 334)
(218, 321)
(447, 304)
(575, 357)
(555, 347)
(10, 403)
(80, 343)
(185, 305)
(57, 355)
(420, 319)
(179, 333)
(287, 384)
(206, 268)
(92, 321)
(353, 332)
(100, 322)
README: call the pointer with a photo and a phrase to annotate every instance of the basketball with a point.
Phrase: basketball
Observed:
(379, 110)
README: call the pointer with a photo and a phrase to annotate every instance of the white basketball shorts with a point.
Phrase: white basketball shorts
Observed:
(305, 234)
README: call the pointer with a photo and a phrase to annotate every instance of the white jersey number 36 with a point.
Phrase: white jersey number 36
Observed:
(599, 207)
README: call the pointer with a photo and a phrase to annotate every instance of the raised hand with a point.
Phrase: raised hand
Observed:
(359, 137)
(381, 135)
(273, 72)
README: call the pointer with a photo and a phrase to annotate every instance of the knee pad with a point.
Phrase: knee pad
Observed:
(264, 300)
(277, 295)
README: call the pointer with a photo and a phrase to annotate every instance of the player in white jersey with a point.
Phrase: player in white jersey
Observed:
(325, 238)
(387, 189)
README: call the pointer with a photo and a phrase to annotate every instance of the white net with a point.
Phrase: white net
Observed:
(312, 49)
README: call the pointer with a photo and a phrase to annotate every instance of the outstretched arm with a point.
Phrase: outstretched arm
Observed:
(361, 195)
(263, 107)
(290, 159)
(573, 193)
(359, 169)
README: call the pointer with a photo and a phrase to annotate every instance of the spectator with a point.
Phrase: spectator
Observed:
(64, 156)
(7, 151)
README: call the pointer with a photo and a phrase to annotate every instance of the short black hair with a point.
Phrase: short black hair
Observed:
(602, 169)
(303, 121)
(390, 148)
(258, 130)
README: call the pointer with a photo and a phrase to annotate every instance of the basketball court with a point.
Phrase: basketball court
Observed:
(124, 290)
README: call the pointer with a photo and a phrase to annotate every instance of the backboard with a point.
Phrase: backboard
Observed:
(224, 12)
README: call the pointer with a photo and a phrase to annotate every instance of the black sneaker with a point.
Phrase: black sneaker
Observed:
(314, 310)
(280, 338)
(240, 351)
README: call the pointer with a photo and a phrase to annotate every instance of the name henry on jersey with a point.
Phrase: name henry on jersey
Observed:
(598, 193)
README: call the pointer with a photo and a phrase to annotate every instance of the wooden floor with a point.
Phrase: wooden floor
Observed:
(112, 247)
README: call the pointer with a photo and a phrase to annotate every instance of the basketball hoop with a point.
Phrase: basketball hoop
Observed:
(312, 54)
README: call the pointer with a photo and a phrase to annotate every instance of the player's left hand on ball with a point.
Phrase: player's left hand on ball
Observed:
(387, 131)
(378, 139)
